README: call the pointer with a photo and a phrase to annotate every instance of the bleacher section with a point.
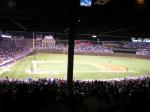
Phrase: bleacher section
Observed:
(50, 95)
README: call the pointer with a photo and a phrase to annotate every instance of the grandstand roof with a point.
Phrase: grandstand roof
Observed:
(117, 17)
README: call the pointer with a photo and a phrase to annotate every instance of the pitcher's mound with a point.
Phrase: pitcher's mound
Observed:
(113, 68)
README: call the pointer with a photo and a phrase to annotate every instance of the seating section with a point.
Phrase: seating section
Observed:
(50, 95)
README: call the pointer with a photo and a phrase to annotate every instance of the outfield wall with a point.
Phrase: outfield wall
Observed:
(94, 54)
(49, 51)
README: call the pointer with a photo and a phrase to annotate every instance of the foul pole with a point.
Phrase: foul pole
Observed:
(33, 41)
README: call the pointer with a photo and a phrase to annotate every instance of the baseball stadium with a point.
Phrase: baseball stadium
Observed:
(46, 57)
(74, 55)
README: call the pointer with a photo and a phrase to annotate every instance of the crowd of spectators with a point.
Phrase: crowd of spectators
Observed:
(7, 54)
(145, 52)
(142, 47)
(137, 45)
(81, 47)
(88, 47)
(50, 95)
(60, 46)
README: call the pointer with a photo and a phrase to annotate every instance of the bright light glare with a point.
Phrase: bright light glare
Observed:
(6, 36)
(86, 3)
(94, 36)
(140, 2)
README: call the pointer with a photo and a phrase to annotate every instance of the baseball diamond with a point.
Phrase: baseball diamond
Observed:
(46, 65)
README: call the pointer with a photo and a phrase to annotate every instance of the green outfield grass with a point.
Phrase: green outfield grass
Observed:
(85, 67)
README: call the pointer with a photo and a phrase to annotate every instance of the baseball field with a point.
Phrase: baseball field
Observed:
(42, 65)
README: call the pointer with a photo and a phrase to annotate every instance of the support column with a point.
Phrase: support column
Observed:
(73, 11)
(72, 35)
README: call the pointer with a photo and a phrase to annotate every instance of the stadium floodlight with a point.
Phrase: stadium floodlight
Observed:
(5, 36)
(94, 36)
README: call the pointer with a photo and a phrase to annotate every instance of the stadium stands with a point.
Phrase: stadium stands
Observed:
(142, 47)
(12, 53)
(138, 45)
(80, 47)
(50, 95)
(89, 47)
(145, 52)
